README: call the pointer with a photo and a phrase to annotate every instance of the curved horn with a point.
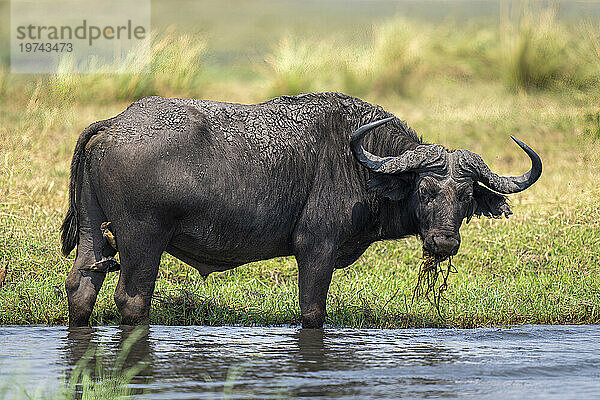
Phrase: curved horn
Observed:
(367, 159)
(420, 157)
(511, 184)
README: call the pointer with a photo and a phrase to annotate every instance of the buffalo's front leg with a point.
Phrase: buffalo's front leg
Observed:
(315, 270)
(140, 249)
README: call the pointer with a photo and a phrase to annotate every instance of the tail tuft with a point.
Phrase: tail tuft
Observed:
(69, 230)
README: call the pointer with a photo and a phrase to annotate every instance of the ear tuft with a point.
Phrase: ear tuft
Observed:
(488, 203)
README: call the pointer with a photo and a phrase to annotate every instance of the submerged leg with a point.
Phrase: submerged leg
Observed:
(82, 284)
(82, 287)
(140, 248)
(315, 269)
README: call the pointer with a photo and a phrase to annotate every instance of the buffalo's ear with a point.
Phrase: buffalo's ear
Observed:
(488, 203)
(394, 187)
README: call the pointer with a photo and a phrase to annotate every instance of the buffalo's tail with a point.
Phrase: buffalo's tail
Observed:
(70, 226)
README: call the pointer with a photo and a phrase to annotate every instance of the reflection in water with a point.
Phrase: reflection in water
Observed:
(209, 362)
(136, 350)
(79, 341)
(311, 350)
(279, 361)
(109, 352)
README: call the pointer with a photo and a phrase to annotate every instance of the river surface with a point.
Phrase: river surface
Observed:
(542, 362)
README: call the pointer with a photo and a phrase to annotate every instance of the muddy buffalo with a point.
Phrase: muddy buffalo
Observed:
(218, 185)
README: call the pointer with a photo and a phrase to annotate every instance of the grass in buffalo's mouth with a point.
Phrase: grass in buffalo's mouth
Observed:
(431, 270)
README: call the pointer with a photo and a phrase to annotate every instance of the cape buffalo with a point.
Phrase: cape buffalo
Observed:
(218, 185)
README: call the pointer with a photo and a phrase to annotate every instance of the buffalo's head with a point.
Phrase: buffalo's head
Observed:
(442, 187)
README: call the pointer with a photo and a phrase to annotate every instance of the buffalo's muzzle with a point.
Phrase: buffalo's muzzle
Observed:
(442, 245)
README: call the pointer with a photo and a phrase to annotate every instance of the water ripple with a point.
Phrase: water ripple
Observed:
(279, 362)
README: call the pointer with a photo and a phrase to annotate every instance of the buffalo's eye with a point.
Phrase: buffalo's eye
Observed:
(426, 196)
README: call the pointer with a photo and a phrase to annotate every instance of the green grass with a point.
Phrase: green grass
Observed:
(528, 52)
(454, 83)
(540, 53)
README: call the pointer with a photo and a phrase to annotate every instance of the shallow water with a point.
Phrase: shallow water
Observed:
(278, 362)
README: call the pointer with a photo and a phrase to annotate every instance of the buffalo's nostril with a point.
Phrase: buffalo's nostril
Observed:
(445, 245)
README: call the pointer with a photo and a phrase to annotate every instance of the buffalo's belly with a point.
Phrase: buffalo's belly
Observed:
(214, 247)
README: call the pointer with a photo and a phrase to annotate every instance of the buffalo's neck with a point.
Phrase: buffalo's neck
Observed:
(397, 220)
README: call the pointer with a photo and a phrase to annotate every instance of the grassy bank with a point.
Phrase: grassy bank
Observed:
(462, 85)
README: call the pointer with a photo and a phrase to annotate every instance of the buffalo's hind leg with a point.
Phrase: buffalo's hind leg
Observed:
(83, 285)
(141, 245)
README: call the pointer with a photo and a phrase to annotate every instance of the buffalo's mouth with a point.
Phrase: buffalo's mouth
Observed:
(437, 258)
(441, 244)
